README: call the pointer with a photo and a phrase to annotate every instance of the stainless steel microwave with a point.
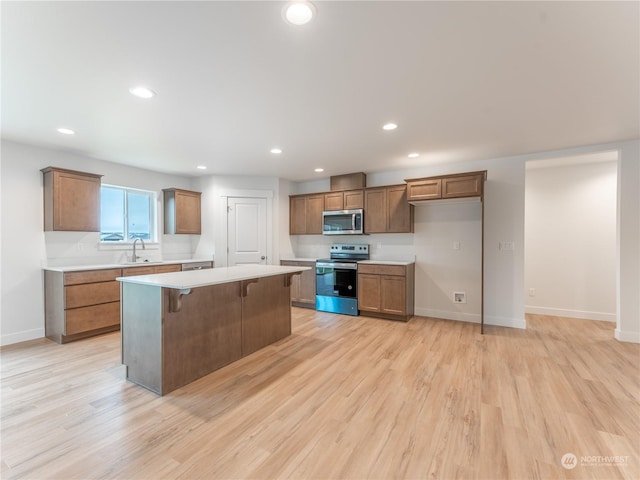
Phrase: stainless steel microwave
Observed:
(343, 222)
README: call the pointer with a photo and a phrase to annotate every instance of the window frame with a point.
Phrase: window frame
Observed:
(153, 216)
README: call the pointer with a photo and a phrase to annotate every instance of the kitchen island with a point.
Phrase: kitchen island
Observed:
(178, 327)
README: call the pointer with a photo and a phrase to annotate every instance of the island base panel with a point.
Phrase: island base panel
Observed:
(171, 338)
(266, 313)
(203, 336)
(141, 327)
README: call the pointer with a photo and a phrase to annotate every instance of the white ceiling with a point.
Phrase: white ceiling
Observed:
(463, 80)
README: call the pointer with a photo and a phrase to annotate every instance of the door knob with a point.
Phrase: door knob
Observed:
(263, 257)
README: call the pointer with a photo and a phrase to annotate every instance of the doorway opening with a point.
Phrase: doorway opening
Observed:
(570, 236)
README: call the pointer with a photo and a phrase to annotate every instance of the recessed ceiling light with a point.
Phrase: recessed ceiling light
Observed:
(142, 92)
(201, 167)
(389, 126)
(319, 170)
(299, 13)
(413, 155)
(275, 150)
(66, 131)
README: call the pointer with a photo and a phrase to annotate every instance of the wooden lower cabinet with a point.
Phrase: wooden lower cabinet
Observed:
(86, 303)
(303, 286)
(386, 291)
(81, 304)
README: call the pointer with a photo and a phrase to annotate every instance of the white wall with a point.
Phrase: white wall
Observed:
(441, 270)
(504, 222)
(570, 240)
(26, 248)
(628, 251)
(23, 248)
(215, 190)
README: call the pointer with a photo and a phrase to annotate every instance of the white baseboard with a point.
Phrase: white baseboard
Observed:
(21, 336)
(562, 312)
(448, 315)
(505, 322)
(471, 317)
(631, 337)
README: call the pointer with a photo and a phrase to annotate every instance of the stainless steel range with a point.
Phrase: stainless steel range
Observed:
(337, 278)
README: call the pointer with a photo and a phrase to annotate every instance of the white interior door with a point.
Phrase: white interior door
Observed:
(247, 230)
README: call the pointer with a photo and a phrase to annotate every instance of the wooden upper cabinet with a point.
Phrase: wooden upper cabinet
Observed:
(446, 186)
(182, 211)
(71, 200)
(353, 199)
(347, 200)
(464, 186)
(334, 201)
(305, 214)
(297, 215)
(375, 210)
(386, 210)
(350, 181)
(400, 212)
(314, 209)
(426, 189)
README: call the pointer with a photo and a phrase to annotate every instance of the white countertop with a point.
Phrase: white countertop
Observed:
(103, 266)
(214, 276)
(384, 262)
(298, 259)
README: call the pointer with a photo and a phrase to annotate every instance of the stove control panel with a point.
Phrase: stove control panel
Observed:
(359, 249)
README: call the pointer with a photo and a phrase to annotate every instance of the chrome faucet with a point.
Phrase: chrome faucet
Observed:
(134, 257)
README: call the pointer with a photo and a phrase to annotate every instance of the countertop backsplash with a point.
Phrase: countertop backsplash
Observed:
(384, 247)
(84, 248)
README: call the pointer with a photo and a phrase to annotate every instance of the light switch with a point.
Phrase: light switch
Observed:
(456, 245)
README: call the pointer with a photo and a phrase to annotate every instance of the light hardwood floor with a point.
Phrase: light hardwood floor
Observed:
(343, 397)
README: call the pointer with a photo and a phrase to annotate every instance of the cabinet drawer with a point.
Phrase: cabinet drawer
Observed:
(378, 269)
(91, 276)
(128, 272)
(168, 268)
(91, 294)
(91, 318)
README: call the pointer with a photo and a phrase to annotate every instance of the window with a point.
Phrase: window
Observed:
(127, 214)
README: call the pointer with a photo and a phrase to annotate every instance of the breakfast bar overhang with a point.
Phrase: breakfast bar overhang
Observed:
(178, 327)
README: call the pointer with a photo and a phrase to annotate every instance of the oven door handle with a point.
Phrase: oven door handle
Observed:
(344, 266)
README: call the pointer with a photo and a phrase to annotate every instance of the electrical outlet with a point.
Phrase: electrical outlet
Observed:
(459, 297)
(506, 246)
(532, 292)
(456, 245)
